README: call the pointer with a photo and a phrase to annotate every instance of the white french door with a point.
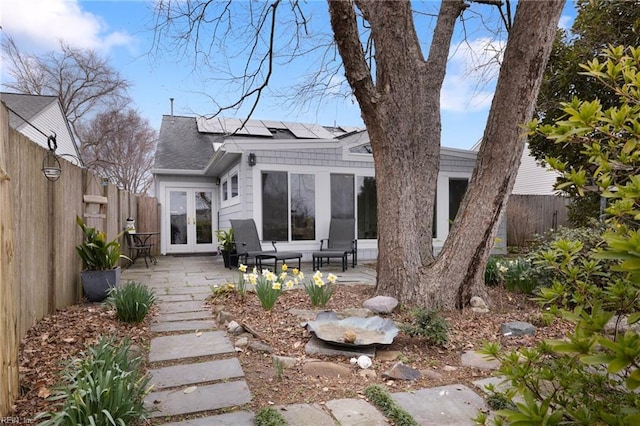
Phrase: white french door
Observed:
(191, 220)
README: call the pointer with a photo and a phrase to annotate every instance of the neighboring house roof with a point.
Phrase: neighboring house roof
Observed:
(44, 113)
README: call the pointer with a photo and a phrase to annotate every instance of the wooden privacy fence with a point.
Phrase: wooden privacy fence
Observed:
(528, 215)
(39, 268)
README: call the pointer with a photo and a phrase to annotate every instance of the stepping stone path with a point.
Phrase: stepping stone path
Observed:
(198, 380)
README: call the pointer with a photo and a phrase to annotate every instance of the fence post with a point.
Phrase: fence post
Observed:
(9, 294)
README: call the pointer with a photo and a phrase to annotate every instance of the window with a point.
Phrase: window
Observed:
(288, 206)
(457, 189)
(230, 188)
(342, 196)
(275, 203)
(367, 208)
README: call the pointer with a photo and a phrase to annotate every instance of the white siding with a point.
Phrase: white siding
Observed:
(50, 120)
(533, 179)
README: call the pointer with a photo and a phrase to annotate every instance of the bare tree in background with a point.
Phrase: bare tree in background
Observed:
(84, 82)
(398, 89)
(119, 145)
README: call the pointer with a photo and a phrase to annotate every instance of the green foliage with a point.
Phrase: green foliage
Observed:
(597, 25)
(132, 301)
(491, 272)
(319, 290)
(225, 239)
(269, 417)
(590, 376)
(381, 398)
(104, 386)
(96, 253)
(429, 324)
(221, 291)
(518, 276)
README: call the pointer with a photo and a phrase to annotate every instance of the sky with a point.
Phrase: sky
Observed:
(123, 32)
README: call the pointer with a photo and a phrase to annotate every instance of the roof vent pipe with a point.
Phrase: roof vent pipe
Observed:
(171, 99)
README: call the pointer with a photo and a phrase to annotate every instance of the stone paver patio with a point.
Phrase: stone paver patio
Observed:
(185, 385)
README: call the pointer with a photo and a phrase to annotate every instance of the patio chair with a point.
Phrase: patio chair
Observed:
(340, 244)
(248, 245)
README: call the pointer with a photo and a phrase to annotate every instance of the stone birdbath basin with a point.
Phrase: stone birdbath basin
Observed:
(353, 331)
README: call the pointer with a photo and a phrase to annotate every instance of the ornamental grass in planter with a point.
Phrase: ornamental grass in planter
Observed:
(100, 259)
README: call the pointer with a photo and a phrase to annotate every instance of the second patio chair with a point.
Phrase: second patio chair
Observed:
(340, 244)
(248, 245)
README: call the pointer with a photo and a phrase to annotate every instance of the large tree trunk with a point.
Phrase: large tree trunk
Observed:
(402, 114)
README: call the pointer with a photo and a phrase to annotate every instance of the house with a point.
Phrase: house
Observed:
(38, 117)
(291, 178)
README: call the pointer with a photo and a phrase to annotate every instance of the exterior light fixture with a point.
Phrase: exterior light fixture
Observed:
(252, 159)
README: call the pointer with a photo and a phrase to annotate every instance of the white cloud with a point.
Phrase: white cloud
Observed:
(471, 75)
(566, 22)
(40, 24)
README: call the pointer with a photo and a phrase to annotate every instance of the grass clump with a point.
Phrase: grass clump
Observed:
(104, 386)
(382, 399)
(269, 417)
(428, 323)
(132, 301)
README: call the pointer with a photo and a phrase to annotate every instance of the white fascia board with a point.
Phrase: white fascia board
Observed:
(243, 144)
(177, 172)
(457, 152)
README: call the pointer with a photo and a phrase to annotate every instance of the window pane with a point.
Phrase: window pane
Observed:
(303, 207)
(204, 228)
(457, 188)
(234, 186)
(367, 208)
(225, 195)
(275, 204)
(178, 216)
(342, 196)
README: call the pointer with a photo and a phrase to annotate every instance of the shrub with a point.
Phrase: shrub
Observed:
(518, 276)
(104, 386)
(429, 324)
(269, 417)
(132, 301)
(381, 399)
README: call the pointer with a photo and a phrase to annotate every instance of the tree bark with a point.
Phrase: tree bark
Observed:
(401, 109)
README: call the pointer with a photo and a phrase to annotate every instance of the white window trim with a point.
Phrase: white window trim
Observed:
(230, 201)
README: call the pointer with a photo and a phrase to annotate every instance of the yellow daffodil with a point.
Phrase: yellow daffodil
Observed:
(301, 275)
(331, 278)
(283, 276)
(318, 281)
(255, 270)
(290, 284)
(270, 276)
(317, 274)
(253, 279)
(242, 268)
(284, 267)
(276, 285)
(296, 271)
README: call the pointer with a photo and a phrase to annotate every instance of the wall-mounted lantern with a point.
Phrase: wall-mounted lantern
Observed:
(252, 159)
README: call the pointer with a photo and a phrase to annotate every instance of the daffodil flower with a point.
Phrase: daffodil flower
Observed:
(276, 285)
(290, 284)
(295, 271)
(283, 275)
(331, 278)
(242, 268)
(284, 267)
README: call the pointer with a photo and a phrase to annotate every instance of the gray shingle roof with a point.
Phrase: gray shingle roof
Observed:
(26, 105)
(181, 146)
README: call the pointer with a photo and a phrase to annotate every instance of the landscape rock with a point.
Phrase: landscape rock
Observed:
(386, 355)
(285, 361)
(325, 369)
(449, 368)
(517, 328)
(242, 342)
(224, 316)
(399, 371)
(367, 374)
(381, 304)
(477, 360)
(260, 347)
(364, 362)
(304, 314)
(235, 328)
(623, 326)
(430, 374)
(477, 302)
